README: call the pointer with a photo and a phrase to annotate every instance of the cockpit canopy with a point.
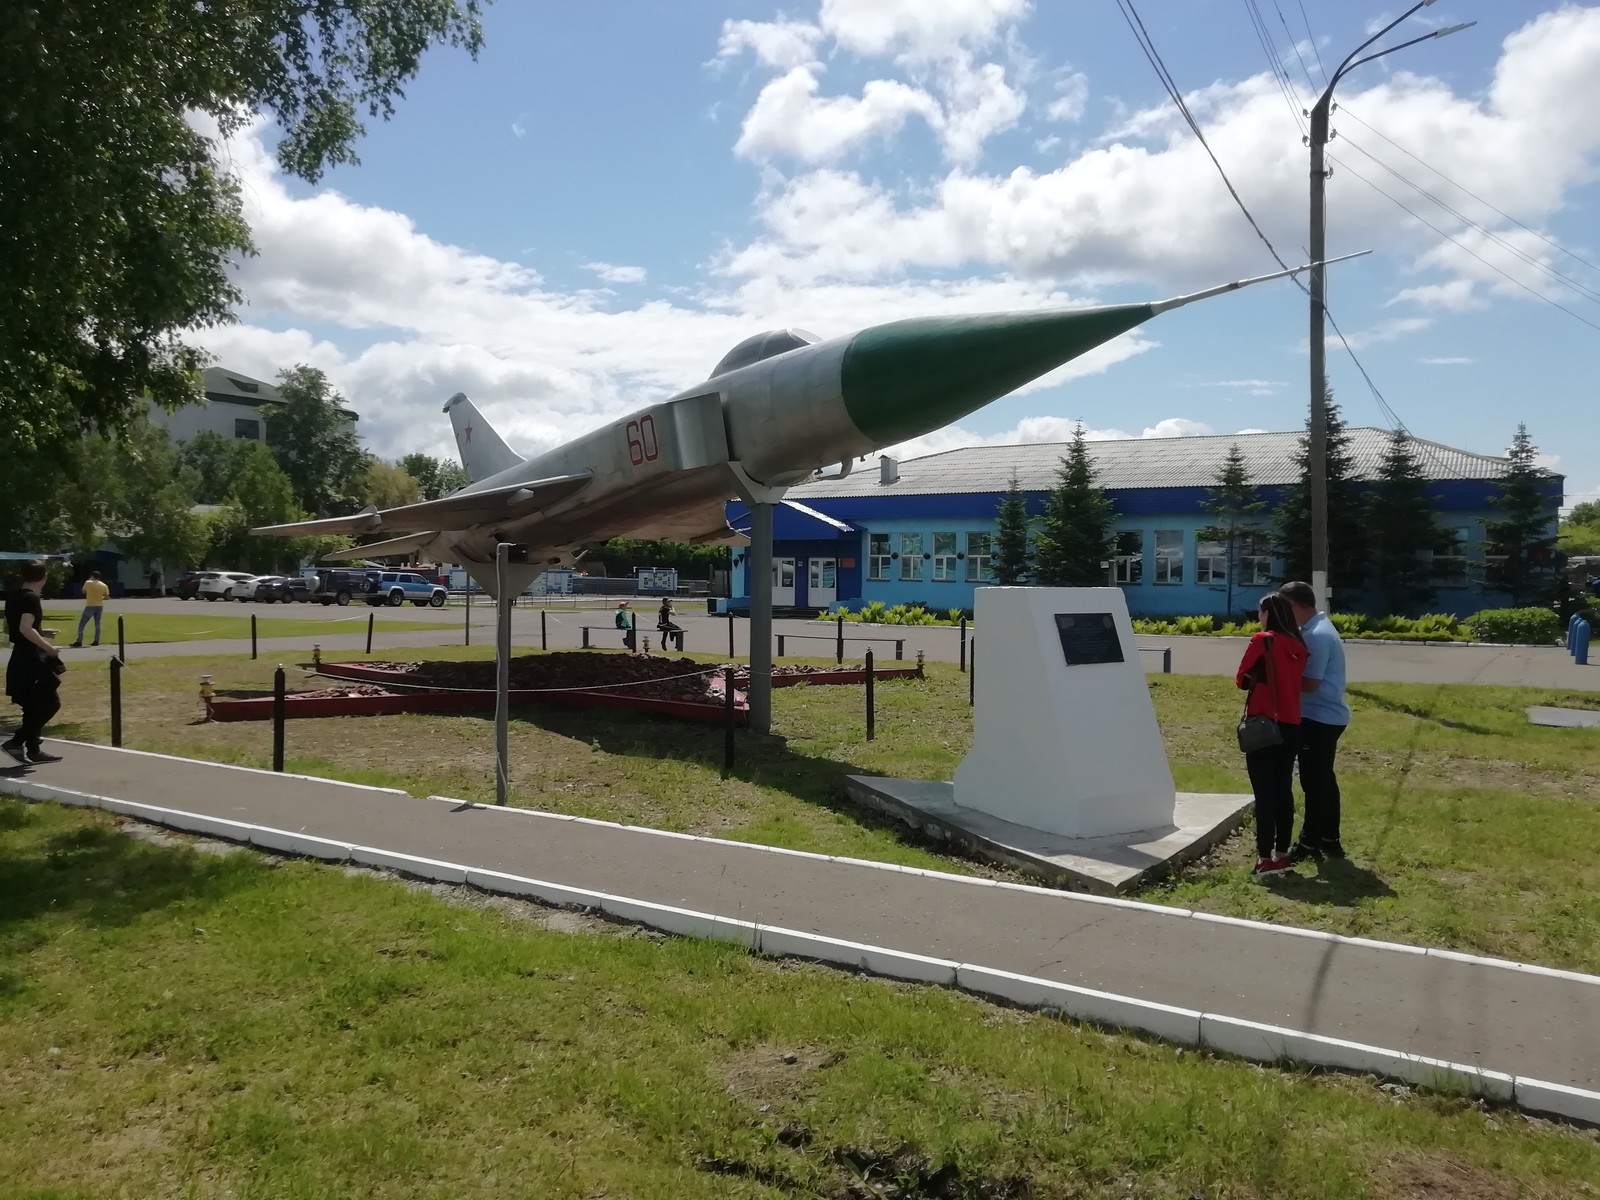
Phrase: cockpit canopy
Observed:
(763, 345)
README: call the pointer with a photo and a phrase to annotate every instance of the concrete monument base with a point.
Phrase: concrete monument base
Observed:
(1106, 865)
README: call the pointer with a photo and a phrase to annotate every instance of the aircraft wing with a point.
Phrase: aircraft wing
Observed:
(460, 511)
(399, 545)
(706, 525)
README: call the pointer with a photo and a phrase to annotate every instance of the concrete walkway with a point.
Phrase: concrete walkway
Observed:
(1515, 666)
(1525, 1034)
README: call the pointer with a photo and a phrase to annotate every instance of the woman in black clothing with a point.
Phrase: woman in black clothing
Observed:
(31, 674)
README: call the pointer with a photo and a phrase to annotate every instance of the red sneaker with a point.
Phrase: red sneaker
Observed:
(1278, 864)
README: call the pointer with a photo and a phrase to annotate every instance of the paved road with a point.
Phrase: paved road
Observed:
(1546, 1026)
(1525, 666)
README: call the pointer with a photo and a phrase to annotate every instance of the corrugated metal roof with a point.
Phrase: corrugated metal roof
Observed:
(1139, 463)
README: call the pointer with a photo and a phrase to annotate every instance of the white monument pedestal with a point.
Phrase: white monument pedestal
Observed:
(1065, 737)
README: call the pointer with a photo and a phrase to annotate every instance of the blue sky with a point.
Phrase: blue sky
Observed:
(584, 219)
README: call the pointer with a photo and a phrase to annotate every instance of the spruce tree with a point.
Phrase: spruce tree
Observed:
(1403, 524)
(1524, 538)
(1236, 506)
(1075, 535)
(1347, 540)
(1011, 552)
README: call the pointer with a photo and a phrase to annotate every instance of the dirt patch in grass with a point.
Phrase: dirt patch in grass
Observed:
(1440, 1176)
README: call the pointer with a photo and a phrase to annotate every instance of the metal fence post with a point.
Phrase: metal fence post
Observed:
(729, 713)
(731, 653)
(780, 645)
(372, 619)
(972, 674)
(279, 686)
(466, 625)
(544, 630)
(838, 650)
(122, 648)
(963, 643)
(872, 716)
(116, 702)
(585, 637)
(1166, 660)
(252, 637)
(899, 649)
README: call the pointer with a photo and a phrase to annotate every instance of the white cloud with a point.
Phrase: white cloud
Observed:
(1391, 330)
(1043, 429)
(612, 273)
(1148, 205)
(1072, 98)
(978, 104)
(1458, 295)
(1447, 362)
(519, 129)
(789, 118)
(782, 45)
(918, 30)
(1253, 387)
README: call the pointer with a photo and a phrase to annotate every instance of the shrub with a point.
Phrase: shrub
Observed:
(1348, 624)
(1195, 626)
(1529, 626)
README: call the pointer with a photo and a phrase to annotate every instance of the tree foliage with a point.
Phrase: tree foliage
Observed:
(1235, 507)
(1347, 539)
(385, 485)
(215, 461)
(438, 477)
(1523, 539)
(119, 219)
(1012, 557)
(314, 442)
(1074, 537)
(1404, 526)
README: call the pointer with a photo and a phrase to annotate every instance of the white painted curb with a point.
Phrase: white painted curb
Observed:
(1222, 1034)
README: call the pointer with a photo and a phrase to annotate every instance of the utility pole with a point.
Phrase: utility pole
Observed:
(1320, 135)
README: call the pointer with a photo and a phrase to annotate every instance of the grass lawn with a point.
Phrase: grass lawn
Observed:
(184, 1024)
(1467, 827)
(208, 624)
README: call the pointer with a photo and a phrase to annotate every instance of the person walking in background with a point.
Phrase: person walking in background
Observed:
(1324, 714)
(1270, 675)
(670, 630)
(94, 607)
(624, 620)
(31, 674)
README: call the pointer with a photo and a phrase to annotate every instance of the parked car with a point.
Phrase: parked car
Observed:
(245, 589)
(340, 587)
(394, 588)
(188, 584)
(272, 588)
(215, 585)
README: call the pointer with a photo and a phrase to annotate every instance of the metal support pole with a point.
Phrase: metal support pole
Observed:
(872, 715)
(731, 653)
(544, 630)
(466, 627)
(372, 619)
(838, 649)
(899, 649)
(729, 716)
(585, 637)
(972, 673)
(1317, 433)
(122, 646)
(963, 643)
(252, 637)
(1166, 660)
(502, 673)
(116, 702)
(279, 687)
(761, 618)
(780, 645)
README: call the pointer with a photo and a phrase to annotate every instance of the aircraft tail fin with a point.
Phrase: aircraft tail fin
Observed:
(483, 453)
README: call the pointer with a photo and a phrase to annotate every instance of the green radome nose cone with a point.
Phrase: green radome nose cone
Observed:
(911, 377)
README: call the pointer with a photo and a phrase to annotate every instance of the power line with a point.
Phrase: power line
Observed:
(1312, 38)
(1463, 246)
(1586, 292)
(1295, 45)
(1463, 188)
(1130, 14)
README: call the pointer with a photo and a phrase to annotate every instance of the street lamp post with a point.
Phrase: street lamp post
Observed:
(1318, 439)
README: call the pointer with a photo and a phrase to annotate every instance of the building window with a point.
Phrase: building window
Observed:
(980, 558)
(1127, 566)
(1169, 556)
(1210, 563)
(243, 427)
(944, 558)
(1255, 558)
(878, 556)
(1450, 559)
(910, 556)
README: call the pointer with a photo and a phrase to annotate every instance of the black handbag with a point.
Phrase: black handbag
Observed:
(1260, 733)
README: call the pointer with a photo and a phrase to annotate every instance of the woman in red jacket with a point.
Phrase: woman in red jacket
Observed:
(1270, 675)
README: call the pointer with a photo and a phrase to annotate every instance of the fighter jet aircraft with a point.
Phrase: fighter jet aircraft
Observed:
(778, 407)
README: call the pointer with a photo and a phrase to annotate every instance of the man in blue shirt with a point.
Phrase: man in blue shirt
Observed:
(1323, 717)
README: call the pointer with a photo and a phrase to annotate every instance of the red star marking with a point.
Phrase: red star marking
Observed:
(468, 432)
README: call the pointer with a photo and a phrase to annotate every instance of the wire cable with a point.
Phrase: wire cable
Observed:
(1312, 38)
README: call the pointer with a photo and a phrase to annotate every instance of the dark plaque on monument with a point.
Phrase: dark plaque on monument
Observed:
(1088, 638)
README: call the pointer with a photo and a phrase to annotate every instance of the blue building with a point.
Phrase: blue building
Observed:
(923, 529)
